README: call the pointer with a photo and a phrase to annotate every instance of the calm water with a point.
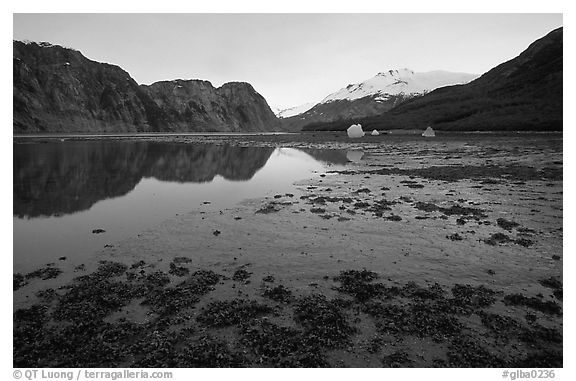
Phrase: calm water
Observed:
(64, 190)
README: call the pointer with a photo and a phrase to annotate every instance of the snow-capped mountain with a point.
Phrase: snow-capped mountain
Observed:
(402, 81)
(288, 112)
(374, 96)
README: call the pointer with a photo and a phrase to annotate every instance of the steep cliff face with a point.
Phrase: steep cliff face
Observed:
(59, 90)
(197, 105)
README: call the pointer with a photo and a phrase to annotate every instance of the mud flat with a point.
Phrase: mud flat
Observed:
(420, 253)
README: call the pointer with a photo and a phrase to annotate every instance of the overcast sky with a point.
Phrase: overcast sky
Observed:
(290, 59)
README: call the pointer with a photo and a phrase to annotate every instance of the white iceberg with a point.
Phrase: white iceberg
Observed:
(355, 131)
(375, 133)
(429, 133)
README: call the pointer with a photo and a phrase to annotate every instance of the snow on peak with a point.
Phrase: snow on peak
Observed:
(286, 113)
(400, 81)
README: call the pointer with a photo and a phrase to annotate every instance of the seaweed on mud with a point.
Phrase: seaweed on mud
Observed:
(268, 278)
(323, 320)
(548, 307)
(397, 359)
(558, 294)
(34, 316)
(88, 343)
(108, 269)
(504, 327)
(209, 352)
(138, 264)
(524, 242)
(544, 359)
(380, 206)
(278, 346)
(318, 210)
(426, 206)
(18, 281)
(454, 210)
(420, 318)
(454, 237)
(241, 275)
(169, 300)
(457, 210)
(552, 282)
(452, 173)
(80, 267)
(324, 199)
(279, 294)
(374, 345)
(156, 279)
(393, 217)
(507, 225)
(467, 296)
(92, 298)
(413, 290)
(464, 352)
(231, 312)
(178, 271)
(268, 208)
(497, 238)
(357, 283)
(361, 204)
(156, 350)
(44, 273)
(180, 260)
(47, 295)
(355, 276)
(538, 334)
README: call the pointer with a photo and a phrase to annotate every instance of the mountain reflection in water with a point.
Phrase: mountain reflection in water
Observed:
(56, 178)
(64, 190)
(61, 178)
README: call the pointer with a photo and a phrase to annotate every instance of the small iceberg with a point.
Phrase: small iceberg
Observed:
(375, 133)
(429, 133)
(355, 131)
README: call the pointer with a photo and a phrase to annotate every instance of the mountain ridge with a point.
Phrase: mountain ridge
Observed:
(523, 93)
(375, 95)
(57, 89)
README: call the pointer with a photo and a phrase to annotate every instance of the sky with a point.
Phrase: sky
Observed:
(290, 59)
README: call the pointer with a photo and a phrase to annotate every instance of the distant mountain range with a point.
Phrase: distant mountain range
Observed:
(371, 97)
(524, 93)
(59, 90)
(291, 111)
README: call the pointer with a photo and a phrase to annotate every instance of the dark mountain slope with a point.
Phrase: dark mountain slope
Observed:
(196, 104)
(524, 93)
(57, 89)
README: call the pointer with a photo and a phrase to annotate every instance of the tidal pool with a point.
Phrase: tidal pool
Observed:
(65, 190)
